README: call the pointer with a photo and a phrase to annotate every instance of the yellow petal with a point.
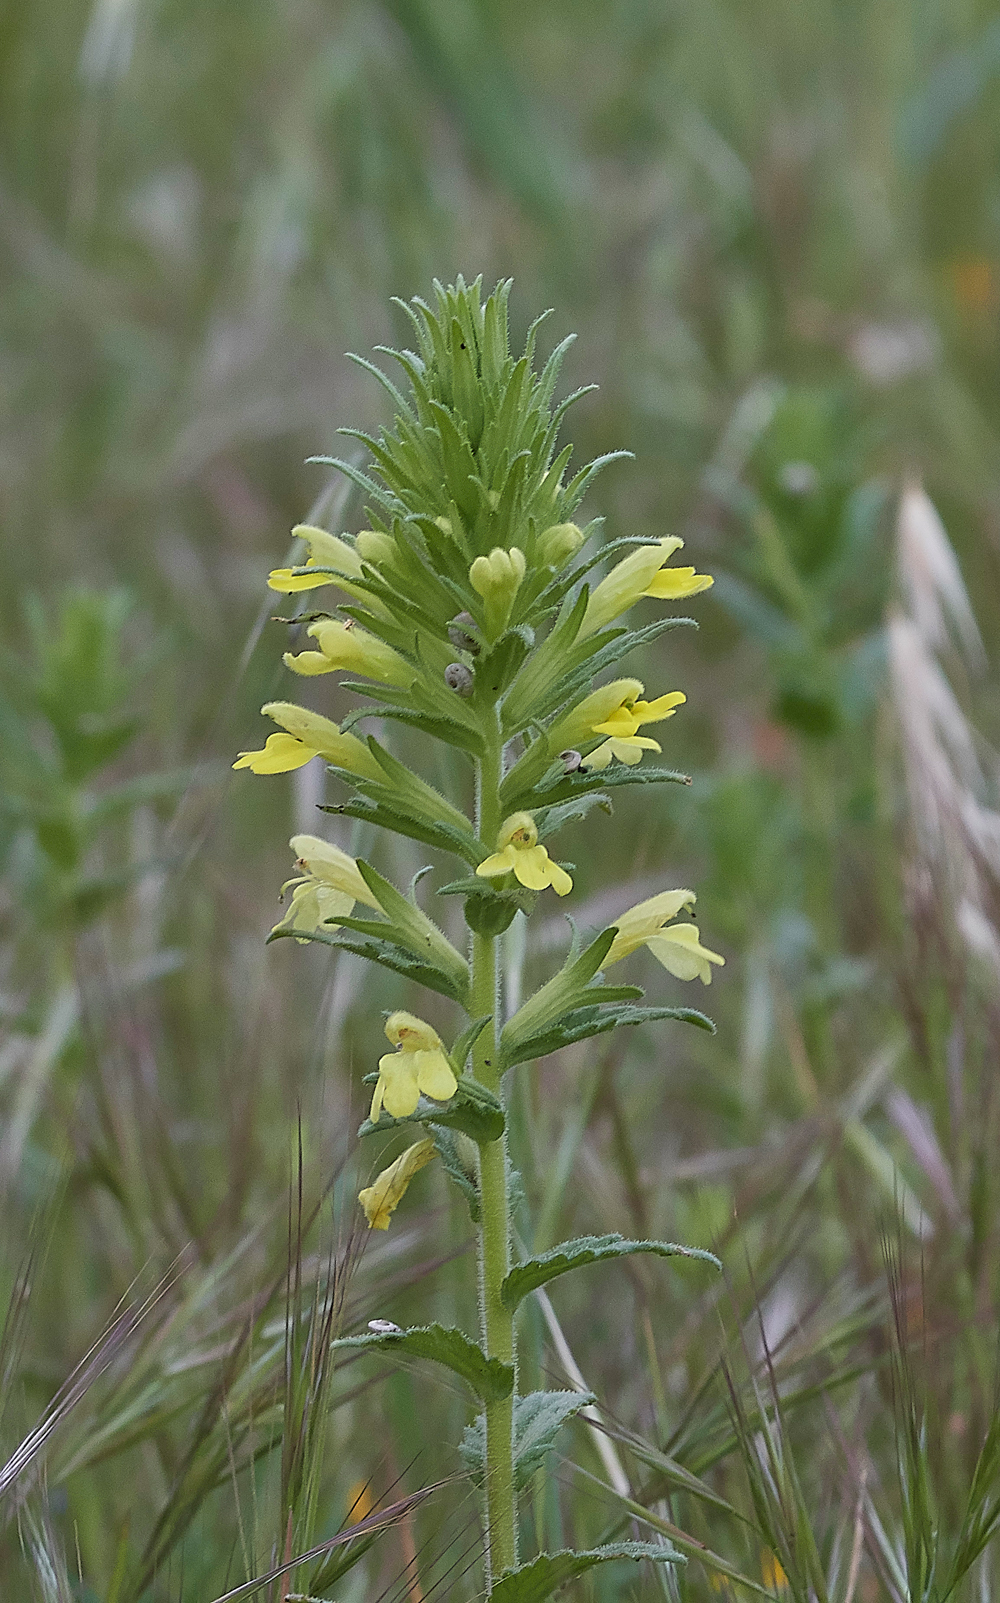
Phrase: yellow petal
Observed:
(381, 1199)
(308, 663)
(670, 584)
(591, 712)
(645, 919)
(559, 880)
(324, 736)
(682, 954)
(499, 863)
(630, 751)
(600, 758)
(329, 550)
(518, 831)
(653, 712)
(287, 581)
(280, 755)
(328, 864)
(435, 1076)
(623, 722)
(532, 867)
(411, 1033)
(399, 1080)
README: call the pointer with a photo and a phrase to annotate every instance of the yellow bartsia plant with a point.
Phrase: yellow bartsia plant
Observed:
(473, 616)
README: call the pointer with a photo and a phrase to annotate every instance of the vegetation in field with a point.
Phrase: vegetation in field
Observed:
(775, 233)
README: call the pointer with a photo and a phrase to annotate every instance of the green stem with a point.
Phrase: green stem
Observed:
(494, 1230)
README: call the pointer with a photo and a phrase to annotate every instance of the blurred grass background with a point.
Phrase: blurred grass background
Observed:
(776, 231)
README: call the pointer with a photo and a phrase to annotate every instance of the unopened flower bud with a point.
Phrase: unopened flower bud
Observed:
(497, 578)
(458, 633)
(570, 760)
(559, 543)
(377, 549)
(459, 679)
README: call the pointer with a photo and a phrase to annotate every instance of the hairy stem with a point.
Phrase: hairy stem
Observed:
(494, 1230)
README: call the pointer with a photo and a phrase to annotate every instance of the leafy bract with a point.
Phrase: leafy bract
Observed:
(378, 950)
(535, 1272)
(603, 1014)
(489, 1378)
(534, 1582)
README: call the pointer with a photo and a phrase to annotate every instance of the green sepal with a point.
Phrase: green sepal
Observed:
(538, 1418)
(446, 729)
(473, 1109)
(496, 668)
(549, 820)
(544, 667)
(451, 1162)
(536, 1581)
(556, 997)
(489, 911)
(396, 958)
(460, 843)
(412, 928)
(534, 1272)
(555, 785)
(490, 1378)
(422, 797)
(582, 1023)
(592, 662)
(466, 1041)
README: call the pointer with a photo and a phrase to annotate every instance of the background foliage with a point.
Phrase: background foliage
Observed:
(777, 232)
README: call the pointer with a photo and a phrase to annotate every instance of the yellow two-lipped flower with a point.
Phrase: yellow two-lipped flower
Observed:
(677, 946)
(621, 727)
(328, 887)
(325, 551)
(381, 1199)
(641, 573)
(420, 1066)
(519, 853)
(305, 735)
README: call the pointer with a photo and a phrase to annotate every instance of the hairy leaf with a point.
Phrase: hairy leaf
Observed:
(582, 1022)
(538, 1418)
(534, 1582)
(489, 1378)
(385, 952)
(535, 1272)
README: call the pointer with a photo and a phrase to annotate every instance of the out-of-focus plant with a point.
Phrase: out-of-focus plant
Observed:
(68, 715)
(475, 617)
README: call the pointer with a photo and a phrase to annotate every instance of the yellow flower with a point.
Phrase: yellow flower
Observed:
(639, 575)
(343, 647)
(381, 1199)
(307, 735)
(772, 1571)
(326, 551)
(419, 1066)
(519, 853)
(497, 578)
(676, 946)
(621, 727)
(329, 887)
